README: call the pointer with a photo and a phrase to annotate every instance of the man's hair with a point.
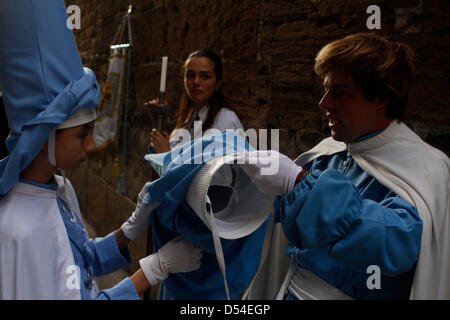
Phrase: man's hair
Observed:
(381, 68)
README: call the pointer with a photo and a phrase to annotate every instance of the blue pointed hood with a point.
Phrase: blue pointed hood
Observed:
(42, 77)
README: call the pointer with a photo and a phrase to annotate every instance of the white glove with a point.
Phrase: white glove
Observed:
(140, 218)
(271, 172)
(177, 255)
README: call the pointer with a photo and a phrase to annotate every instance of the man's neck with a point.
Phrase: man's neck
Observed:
(375, 131)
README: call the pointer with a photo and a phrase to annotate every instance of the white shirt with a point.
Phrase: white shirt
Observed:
(225, 119)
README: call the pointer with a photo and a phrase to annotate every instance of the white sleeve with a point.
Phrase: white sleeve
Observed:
(226, 119)
(178, 137)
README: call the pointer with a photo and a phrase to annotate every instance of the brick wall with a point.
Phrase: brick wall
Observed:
(268, 48)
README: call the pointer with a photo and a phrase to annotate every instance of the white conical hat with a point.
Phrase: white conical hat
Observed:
(238, 207)
(228, 203)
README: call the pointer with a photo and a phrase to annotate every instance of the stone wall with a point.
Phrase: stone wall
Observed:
(268, 48)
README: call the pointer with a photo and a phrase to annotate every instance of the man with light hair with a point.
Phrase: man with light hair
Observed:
(366, 211)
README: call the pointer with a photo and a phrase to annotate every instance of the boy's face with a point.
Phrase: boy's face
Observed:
(72, 146)
(350, 115)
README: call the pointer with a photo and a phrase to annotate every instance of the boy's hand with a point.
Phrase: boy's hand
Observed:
(140, 217)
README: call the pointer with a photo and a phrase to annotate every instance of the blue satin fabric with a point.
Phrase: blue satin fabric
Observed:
(340, 220)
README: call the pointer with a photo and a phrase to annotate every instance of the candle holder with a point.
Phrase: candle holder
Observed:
(160, 110)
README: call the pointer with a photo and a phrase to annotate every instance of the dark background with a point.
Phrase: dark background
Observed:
(4, 131)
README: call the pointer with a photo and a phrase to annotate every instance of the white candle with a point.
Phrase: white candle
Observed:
(162, 87)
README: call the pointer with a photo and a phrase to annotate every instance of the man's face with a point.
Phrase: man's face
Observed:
(72, 146)
(350, 115)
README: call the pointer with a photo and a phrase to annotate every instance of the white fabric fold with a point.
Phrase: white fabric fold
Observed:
(243, 214)
(305, 285)
(226, 214)
(27, 250)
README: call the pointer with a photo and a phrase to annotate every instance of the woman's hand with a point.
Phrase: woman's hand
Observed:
(159, 141)
(156, 101)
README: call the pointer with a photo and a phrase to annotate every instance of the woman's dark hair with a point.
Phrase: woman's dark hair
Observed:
(217, 100)
(381, 68)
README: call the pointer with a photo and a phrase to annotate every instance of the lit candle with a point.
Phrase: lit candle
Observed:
(162, 87)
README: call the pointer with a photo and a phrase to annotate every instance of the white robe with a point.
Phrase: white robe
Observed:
(225, 119)
(36, 260)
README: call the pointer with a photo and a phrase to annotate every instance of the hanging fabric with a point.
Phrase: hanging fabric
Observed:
(110, 110)
(115, 89)
(115, 98)
(206, 197)
(229, 204)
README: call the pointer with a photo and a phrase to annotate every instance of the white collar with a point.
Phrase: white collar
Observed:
(33, 190)
(377, 141)
(203, 113)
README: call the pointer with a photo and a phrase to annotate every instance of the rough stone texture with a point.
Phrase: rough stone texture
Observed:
(268, 49)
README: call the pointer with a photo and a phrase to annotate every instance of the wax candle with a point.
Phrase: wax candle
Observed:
(162, 87)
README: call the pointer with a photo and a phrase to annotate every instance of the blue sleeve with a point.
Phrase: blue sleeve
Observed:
(124, 290)
(326, 210)
(107, 257)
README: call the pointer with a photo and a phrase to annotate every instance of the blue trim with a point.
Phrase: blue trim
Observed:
(370, 135)
(51, 186)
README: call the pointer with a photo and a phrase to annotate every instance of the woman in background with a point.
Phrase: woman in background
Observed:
(202, 100)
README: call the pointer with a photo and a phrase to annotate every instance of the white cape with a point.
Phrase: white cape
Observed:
(36, 260)
(415, 171)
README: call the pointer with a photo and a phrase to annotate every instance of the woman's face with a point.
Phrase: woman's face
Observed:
(200, 80)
